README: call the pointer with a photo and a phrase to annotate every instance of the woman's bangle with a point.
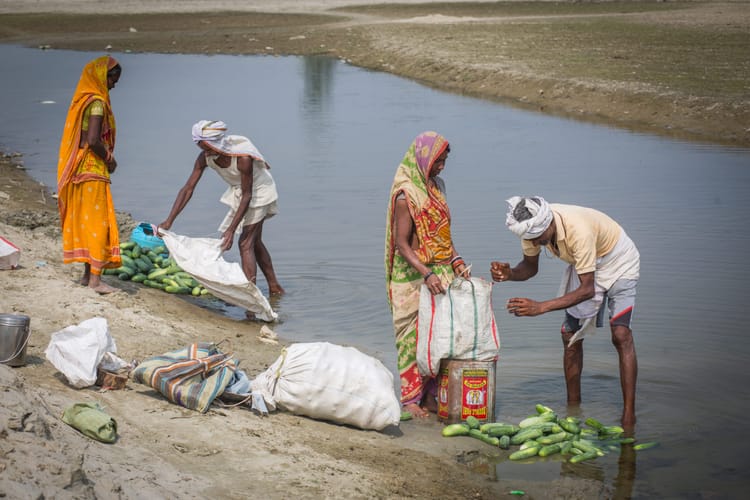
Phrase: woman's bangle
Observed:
(457, 257)
(426, 276)
(457, 263)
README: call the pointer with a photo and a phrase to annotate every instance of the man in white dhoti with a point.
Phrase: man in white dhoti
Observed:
(251, 195)
(603, 269)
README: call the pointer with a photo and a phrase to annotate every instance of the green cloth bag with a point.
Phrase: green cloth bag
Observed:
(91, 421)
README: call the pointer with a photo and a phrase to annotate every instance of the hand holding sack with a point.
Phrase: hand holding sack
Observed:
(459, 324)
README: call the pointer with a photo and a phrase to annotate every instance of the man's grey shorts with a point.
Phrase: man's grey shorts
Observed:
(620, 299)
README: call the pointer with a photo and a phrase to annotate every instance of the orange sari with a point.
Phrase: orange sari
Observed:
(87, 214)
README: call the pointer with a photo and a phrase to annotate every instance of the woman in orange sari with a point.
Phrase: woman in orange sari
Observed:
(418, 249)
(87, 214)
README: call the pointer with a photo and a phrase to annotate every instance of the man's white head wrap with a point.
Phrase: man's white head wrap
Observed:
(214, 134)
(528, 217)
(209, 131)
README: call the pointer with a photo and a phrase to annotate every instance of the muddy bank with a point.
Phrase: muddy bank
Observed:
(166, 451)
(677, 69)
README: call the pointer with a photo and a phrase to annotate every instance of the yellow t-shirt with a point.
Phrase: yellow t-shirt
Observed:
(583, 235)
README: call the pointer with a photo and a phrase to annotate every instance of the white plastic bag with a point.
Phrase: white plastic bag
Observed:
(77, 350)
(458, 324)
(9, 254)
(331, 382)
(201, 257)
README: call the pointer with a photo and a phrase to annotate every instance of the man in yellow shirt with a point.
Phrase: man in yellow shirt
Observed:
(603, 269)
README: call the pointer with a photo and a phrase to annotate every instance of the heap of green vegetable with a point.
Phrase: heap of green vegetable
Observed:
(544, 434)
(155, 268)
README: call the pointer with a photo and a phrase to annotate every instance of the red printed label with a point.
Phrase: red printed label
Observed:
(443, 410)
(474, 384)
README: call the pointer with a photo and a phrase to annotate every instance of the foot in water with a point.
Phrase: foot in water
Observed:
(276, 290)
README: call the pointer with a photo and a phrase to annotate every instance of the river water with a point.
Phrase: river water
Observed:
(334, 135)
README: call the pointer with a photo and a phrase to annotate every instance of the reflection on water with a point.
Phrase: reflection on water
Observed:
(334, 135)
(318, 83)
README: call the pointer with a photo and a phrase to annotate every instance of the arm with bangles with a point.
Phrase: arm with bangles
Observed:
(404, 233)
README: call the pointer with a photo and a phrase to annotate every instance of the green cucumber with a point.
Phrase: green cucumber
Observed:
(504, 442)
(177, 289)
(154, 284)
(594, 424)
(538, 419)
(504, 430)
(554, 438)
(455, 430)
(527, 453)
(586, 455)
(550, 449)
(139, 278)
(472, 422)
(540, 408)
(525, 435)
(476, 433)
(645, 446)
(569, 426)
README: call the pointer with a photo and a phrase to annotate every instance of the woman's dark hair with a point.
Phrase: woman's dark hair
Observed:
(114, 71)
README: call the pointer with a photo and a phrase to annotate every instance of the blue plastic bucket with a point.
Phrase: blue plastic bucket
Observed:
(144, 235)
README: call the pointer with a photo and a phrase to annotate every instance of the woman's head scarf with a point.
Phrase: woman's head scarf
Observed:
(92, 85)
(528, 217)
(427, 205)
(214, 134)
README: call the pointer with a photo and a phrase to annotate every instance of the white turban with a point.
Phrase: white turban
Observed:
(534, 226)
(214, 134)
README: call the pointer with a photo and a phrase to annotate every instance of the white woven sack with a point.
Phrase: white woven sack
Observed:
(77, 350)
(331, 382)
(201, 257)
(459, 324)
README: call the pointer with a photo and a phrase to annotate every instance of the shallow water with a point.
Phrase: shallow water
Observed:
(334, 135)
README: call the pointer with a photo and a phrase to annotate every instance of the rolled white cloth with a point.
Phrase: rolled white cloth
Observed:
(214, 134)
(209, 131)
(541, 217)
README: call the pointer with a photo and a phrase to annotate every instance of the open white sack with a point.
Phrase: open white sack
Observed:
(331, 382)
(77, 350)
(459, 324)
(201, 257)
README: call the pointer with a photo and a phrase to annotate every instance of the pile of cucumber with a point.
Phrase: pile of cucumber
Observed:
(544, 434)
(154, 268)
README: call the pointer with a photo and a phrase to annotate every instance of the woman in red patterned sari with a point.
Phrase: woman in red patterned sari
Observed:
(418, 249)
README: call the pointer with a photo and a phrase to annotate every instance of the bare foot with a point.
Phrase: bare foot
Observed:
(250, 315)
(416, 410)
(103, 288)
(84, 281)
(276, 290)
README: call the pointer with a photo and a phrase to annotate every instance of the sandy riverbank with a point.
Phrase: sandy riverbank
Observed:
(165, 451)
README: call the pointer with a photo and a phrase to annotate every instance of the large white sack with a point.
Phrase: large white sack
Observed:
(331, 382)
(77, 350)
(201, 257)
(459, 324)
